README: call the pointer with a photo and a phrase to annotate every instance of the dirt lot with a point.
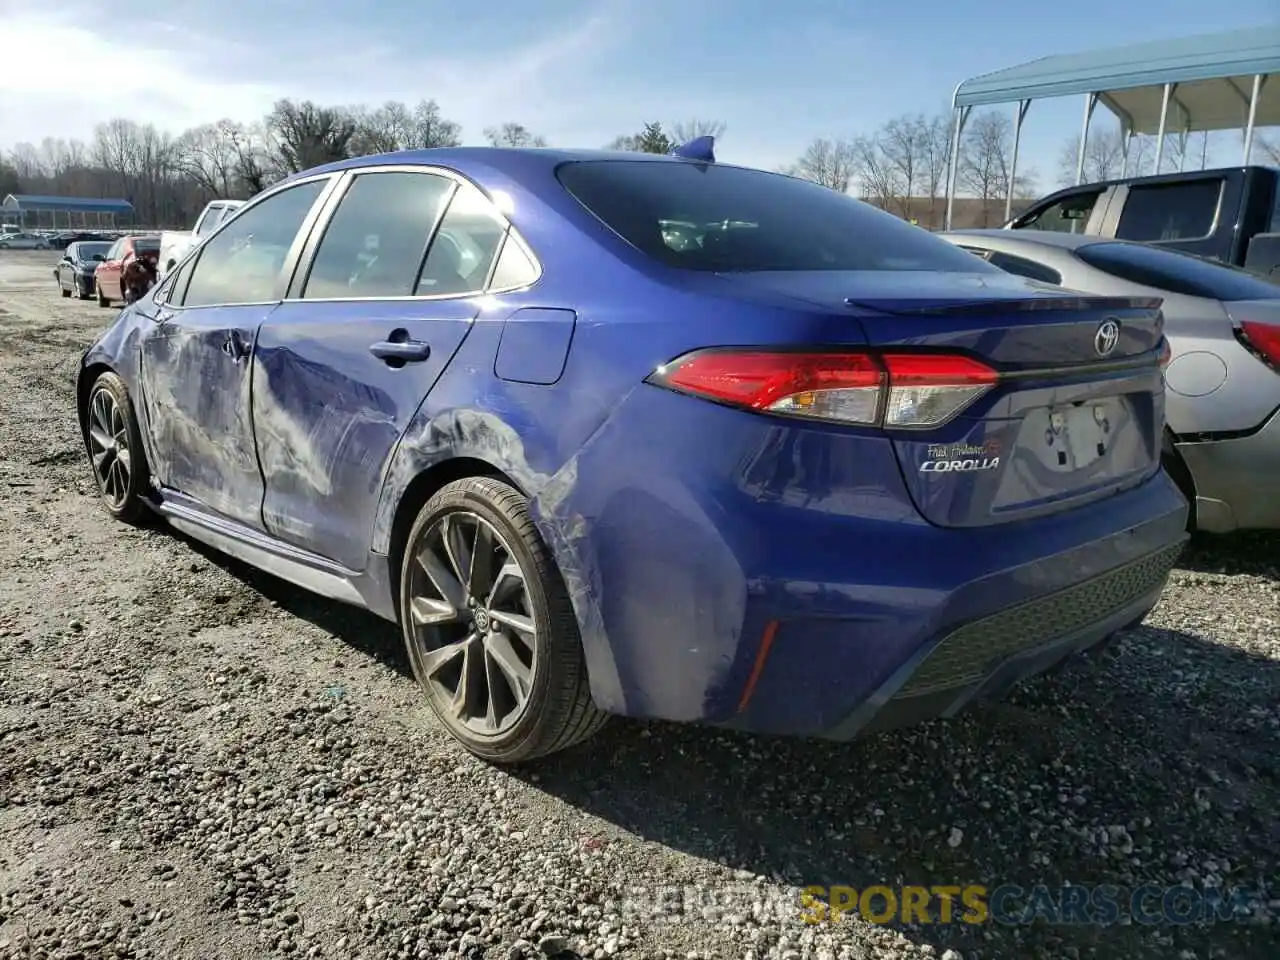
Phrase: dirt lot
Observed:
(197, 761)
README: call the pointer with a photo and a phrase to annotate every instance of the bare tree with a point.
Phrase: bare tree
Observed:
(877, 177)
(382, 130)
(26, 162)
(685, 130)
(902, 147)
(935, 156)
(307, 135)
(208, 156)
(830, 163)
(1103, 156)
(430, 129)
(985, 165)
(513, 135)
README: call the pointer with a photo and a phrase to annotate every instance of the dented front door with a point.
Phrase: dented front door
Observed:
(196, 375)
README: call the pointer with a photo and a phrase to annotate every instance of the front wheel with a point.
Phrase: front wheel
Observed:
(489, 627)
(102, 301)
(65, 291)
(115, 449)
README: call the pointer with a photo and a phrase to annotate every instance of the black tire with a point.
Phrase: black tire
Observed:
(128, 505)
(63, 290)
(558, 711)
(102, 301)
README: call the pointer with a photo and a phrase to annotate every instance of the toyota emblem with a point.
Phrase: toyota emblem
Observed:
(1108, 335)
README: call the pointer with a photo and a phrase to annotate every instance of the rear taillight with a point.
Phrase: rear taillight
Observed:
(1262, 340)
(902, 391)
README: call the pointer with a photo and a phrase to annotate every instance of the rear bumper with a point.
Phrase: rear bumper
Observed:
(1235, 480)
(740, 572)
(987, 657)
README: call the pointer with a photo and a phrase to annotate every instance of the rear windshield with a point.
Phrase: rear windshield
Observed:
(1177, 272)
(728, 219)
(147, 244)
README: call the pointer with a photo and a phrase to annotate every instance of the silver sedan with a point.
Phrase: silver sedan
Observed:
(1222, 440)
(23, 241)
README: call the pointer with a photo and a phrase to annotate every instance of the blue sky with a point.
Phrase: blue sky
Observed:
(577, 71)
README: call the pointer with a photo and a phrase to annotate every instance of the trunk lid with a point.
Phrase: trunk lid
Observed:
(1078, 411)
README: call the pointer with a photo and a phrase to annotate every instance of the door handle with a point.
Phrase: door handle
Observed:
(233, 347)
(400, 351)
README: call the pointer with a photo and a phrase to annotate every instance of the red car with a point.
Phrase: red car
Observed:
(128, 271)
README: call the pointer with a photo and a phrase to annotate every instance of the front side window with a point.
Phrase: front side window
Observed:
(714, 218)
(242, 264)
(374, 245)
(464, 247)
(1170, 211)
(1177, 272)
(1068, 215)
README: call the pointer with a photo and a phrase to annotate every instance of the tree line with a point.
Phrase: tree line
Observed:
(169, 178)
(901, 167)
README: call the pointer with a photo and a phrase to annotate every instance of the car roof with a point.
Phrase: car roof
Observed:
(514, 162)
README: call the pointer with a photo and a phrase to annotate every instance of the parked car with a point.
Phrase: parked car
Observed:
(75, 271)
(61, 241)
(816, 474)
(23, 241)
(109, 278)
(1222, 438)
(175, 244)
(1232, 214)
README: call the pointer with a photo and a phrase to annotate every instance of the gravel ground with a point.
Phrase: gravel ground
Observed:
(198, 761)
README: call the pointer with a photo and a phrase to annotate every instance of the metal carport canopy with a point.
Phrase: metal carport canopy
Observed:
(1210, 82)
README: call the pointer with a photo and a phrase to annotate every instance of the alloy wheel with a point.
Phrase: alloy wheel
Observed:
(472, 624)
(109, 447)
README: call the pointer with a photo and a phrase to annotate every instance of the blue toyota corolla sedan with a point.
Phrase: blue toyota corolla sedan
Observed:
(647, 435)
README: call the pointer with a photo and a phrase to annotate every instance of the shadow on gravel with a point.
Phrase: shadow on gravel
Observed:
(1257, 554)
(1150, 761)
(357, 628)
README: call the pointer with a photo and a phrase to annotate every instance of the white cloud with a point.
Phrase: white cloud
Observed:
(61, 77)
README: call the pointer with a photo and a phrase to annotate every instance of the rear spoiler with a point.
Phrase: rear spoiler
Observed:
(957, 308)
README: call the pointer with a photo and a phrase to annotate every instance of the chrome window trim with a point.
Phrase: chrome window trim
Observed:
(291, 257)
(327, 209)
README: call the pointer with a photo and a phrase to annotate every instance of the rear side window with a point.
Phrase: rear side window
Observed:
(728, 219)
(376, 240)
(1023, 267)
(464, 247)
(1170, 211)
(1069, 215)
(1176, 272)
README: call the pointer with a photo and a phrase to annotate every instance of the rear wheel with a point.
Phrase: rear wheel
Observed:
(115, 449)
(489, 627)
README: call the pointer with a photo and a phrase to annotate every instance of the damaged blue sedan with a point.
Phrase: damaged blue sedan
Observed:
(654, 436)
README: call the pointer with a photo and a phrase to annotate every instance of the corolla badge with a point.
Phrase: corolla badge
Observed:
(961, 457)
(1108, 335)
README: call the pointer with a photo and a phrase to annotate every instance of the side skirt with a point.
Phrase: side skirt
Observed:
(369, 589)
